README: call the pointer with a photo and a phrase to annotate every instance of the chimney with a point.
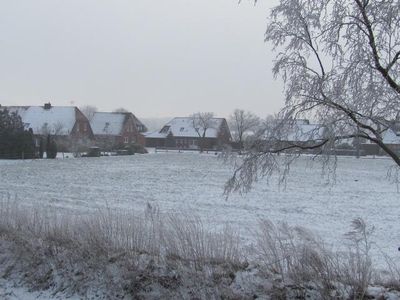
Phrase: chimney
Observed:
(47, 105)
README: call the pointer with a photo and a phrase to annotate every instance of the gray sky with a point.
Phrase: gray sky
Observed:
(155, 58)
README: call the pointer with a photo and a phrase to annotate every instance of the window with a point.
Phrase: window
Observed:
(182, 129)
(84, 126)
(126, 140)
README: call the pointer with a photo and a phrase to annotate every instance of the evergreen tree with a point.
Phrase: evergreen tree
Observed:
(15, 141)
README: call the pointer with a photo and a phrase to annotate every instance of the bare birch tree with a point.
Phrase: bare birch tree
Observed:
(339, 60)
(241, 123)
(88, 111)
(201, 122)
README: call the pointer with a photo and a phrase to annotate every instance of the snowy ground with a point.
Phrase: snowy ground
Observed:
(10, 291)
(190, 182)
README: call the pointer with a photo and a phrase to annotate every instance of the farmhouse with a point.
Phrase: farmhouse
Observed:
(180, 133)
(67, 124)
(114, 130)
(302, 132)
(299, 132)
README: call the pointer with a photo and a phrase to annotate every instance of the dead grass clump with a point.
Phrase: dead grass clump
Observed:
(300, 258)
(188, 240)
(356, 268)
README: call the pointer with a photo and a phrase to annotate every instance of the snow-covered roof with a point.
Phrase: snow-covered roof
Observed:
(305, 132)
(58, 120)
(390, 137)
(155, 135)
(183, 127)
(108, 123)
(300, 131)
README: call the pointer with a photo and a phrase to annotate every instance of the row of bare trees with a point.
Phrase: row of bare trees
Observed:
(242, 124)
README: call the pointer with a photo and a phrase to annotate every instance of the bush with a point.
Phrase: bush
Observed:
(134, 148)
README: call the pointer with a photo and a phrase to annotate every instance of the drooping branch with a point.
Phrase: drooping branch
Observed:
(372, 43)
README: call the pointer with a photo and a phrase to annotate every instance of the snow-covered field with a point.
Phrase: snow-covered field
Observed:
(193, 183)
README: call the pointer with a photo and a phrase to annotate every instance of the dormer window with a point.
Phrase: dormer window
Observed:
(165, 129)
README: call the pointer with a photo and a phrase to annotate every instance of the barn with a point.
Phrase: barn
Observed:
(180, 133)
(114, 130)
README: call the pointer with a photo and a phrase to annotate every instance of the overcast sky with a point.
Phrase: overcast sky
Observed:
(155, 58)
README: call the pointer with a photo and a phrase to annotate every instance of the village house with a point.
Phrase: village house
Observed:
(305, 133)
(179, 133)
(391, 138)
(66, 124)
(113, 130)
(299, 132)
